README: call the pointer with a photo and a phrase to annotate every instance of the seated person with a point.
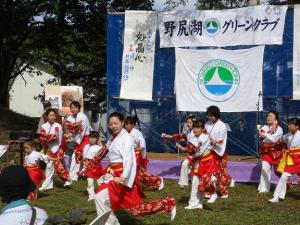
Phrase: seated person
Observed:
(15, 185)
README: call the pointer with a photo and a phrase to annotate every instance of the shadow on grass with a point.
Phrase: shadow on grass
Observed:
(58, 183)
(183, 200)
(206, 207)
(126, 219)
(44, 194)
(294, 195)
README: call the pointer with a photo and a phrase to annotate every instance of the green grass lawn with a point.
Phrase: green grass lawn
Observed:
(244, 206)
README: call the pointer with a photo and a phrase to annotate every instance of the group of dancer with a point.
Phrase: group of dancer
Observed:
(205, 145)
(282, 152)
(121, 183)
(207, 157)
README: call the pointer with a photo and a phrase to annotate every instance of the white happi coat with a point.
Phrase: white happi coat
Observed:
(292, 140)
(54, 145)
(202, 143)
(190, 135)
(120, 150)
(89, 151)
(271, 138)
(138, 141)
(34, 157)
(217, 131)
(85, 124)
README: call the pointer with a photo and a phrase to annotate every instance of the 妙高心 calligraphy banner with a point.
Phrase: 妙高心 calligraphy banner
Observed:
(230, 79)
(296, 55)
(257, 25)
(138, 55)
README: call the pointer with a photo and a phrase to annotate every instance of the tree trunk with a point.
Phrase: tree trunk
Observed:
(7, 64)
(4, 98)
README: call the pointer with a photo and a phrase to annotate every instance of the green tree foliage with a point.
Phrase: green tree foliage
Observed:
(71, 43)
(122, 5)
(18, 26)
(68, 37)
(284, 2)
(220, 4)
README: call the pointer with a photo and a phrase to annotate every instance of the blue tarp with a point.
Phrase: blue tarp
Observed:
(161, 116)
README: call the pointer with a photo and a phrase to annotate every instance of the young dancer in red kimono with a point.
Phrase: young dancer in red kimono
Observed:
(186, 163)
(51, 138)
(92, 168)
(217, 132)
(119, 189)
(31, 163)
(204, 165)
(139, 145)
(77, 130)
(290, 161)
(270, 149)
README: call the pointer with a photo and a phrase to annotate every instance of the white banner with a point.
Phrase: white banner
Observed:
(230, 79)
(138, 55)
(256, 25)
(296, 55)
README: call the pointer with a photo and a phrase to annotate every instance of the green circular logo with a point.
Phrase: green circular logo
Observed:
(212, 27)
(218, 80)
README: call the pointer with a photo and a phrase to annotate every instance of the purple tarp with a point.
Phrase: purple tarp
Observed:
(247, 172)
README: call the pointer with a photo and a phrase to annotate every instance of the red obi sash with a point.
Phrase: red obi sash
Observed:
(206, 165)
(36, 174)
(120, 196)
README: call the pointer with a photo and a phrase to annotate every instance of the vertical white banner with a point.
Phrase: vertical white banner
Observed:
(138, 55)
(296, 55)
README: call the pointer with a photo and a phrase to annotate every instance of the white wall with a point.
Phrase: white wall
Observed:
(22, 96)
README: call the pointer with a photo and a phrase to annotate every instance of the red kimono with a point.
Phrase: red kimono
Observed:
(125, 195)
(51, 137)
(36, 174)
(92, 156)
